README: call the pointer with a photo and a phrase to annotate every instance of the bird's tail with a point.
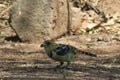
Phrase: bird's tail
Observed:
(87, 53)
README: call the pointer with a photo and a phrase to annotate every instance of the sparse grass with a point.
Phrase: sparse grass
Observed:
(47, 62)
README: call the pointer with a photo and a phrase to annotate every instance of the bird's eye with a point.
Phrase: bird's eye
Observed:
(48, 43)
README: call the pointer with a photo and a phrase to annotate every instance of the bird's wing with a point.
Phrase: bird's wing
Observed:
(63, 49)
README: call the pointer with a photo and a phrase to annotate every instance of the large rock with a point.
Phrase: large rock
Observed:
(36, 20)
(75, 20)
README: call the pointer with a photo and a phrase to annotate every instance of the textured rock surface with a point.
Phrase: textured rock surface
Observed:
(36, 20)
(75, 20)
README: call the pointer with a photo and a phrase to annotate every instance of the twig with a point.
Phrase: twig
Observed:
(2, 13)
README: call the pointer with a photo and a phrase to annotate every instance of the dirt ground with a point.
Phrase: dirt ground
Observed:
(28, 61)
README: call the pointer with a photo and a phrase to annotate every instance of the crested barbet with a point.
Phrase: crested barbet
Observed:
(62, 52)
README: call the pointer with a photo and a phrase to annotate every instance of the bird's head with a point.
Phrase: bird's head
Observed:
(47, 43)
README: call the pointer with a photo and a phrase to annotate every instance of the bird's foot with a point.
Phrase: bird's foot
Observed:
(66, 66)
(62, 67)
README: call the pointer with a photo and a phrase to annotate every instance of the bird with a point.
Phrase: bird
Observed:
(62, 52)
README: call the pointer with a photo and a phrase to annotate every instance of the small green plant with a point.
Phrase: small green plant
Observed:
(2, 35)
(64, 77)
(114, 60)
(47, 62)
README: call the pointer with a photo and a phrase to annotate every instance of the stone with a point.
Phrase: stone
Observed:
(38, 20)
(75, 20)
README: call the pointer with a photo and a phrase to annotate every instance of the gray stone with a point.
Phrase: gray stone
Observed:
(37, 20)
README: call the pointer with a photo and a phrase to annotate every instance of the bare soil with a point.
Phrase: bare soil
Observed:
(28, 61)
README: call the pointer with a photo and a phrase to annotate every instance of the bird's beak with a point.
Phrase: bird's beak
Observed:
(41, 45)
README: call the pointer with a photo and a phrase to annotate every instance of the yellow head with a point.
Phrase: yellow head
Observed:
(49, 45)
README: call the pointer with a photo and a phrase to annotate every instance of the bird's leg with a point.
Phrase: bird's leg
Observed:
(66, 66)
(58, 66)
(68, 63)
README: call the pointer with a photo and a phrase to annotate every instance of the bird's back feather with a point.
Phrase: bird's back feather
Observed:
(63, 49)
(63, 53)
